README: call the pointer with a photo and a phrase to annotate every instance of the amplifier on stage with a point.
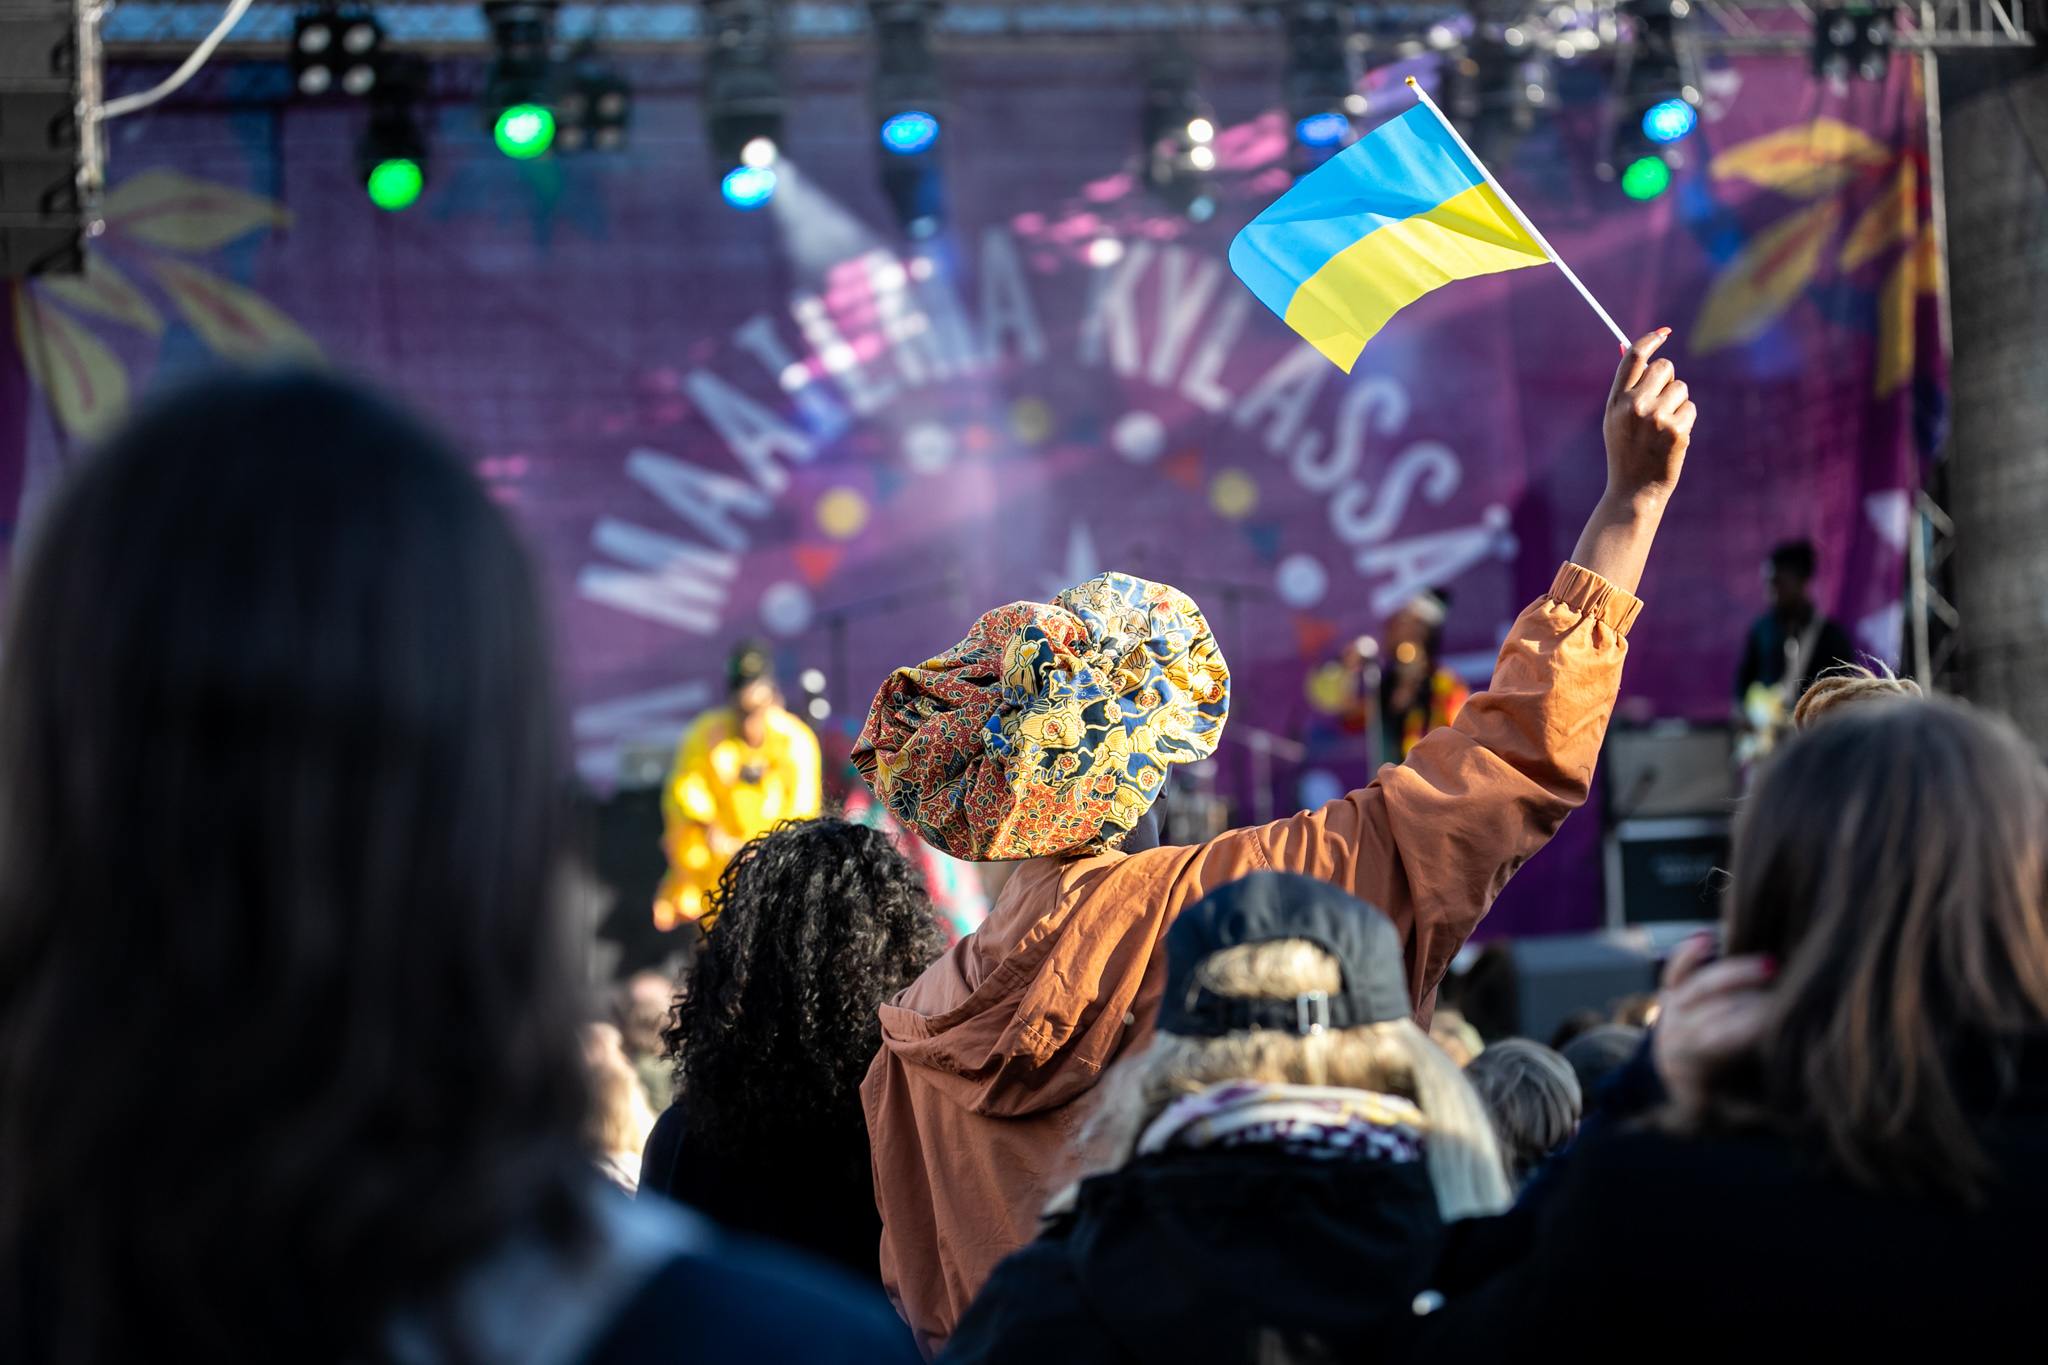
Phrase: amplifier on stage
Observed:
(1665, 871)
(1671, 792)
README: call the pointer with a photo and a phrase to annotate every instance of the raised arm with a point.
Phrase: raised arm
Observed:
(1434, 840)
(1647, 429)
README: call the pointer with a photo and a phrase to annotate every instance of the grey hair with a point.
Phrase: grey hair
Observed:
(1534, 1097)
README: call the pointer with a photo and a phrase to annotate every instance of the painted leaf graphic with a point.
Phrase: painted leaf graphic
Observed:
(171, 210)
(1894, 218)
(86, 386)
(1765, 279)
(1804, 161)
(1895, 332)
(105, 292)
(235, 322)
(1917, 272)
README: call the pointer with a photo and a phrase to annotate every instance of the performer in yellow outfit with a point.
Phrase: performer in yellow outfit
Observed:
(740, 770)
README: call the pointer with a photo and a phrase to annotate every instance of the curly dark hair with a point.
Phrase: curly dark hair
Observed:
(819, 922)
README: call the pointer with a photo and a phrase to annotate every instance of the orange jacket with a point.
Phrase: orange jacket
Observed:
(971, 1103)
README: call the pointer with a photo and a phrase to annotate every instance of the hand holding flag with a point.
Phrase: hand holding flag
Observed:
(1402, 211)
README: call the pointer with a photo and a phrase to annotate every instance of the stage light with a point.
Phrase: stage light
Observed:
(517, 100)
(1655, 98)
(1669, 120)
(395, 185)
(910, 132)
(1320, 84)
(1658, 65)
(1177, 132)
(1846, 40)
(525, 131)
(392, 156)
(392, 152)
(909, 106)
(748, 187)
(1322, 130)
(336, 48)
(594, 106)
(1646, 177)
(743, 100)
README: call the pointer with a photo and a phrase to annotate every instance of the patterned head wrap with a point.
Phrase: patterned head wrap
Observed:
(1050, 728)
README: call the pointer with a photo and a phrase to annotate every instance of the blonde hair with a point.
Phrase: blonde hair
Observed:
(1394, 1058)
(620, 1117)
(1849, 685)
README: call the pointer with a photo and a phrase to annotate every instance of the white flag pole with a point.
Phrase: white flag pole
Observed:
(1520, 217)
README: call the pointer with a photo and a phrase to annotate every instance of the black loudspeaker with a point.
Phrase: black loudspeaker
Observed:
(1666, 871)
(49, 67)
(1671, 791)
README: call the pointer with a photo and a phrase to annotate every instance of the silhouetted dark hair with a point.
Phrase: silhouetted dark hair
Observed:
(1796, 557)
(1895, 859)
(749, 662)
(1532, 1097)
(819, 923)
(287, 1022)
(1598, 1053)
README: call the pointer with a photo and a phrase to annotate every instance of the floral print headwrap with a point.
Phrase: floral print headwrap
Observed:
(1049, 729)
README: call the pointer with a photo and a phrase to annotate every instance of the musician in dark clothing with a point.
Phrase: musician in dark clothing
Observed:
(1790, 645)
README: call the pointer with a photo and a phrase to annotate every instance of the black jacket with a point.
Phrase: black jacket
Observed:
(1654, 1244)
(1244, 1255)
(814, 1191)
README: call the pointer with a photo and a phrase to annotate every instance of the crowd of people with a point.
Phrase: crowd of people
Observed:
(279, 753)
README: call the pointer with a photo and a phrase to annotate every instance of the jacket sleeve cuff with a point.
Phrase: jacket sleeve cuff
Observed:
(1586, 592)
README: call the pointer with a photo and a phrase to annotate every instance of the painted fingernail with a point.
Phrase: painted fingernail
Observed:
(1769, 966)
(1624, 348)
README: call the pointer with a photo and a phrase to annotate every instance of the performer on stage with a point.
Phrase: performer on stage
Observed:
(1788, 647)
(1417, 694)
(741, 770)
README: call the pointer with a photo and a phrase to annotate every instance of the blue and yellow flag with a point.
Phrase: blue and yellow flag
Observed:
(1374, 228)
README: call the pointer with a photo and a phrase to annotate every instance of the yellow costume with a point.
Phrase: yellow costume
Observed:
(722, 793)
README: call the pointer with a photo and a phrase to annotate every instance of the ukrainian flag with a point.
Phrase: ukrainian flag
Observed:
(1391, 217)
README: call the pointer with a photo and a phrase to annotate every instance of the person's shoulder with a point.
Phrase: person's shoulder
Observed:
(743, 1301)
(1718, 1175)
(658, 1156)
(1032, 1309)
(790, 725)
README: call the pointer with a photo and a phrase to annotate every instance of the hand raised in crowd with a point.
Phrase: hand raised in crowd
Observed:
(1647, 427)
(1649, 420)
(1707, 1011)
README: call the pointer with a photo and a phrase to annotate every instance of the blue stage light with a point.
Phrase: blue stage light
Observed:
(910, 132)
(1322, 130)
(748, 187)
(1669, 120)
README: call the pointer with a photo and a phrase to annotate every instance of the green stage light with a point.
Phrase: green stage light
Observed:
(525, 131)
(1646, 178)
(395, 184)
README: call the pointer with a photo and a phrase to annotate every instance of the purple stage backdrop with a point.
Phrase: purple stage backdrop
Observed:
(789, 423)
